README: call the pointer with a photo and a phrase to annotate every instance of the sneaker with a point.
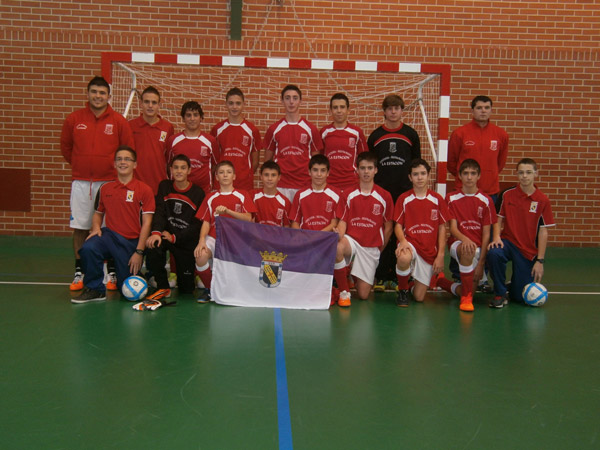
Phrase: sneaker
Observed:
(199, 283)
(160, 293)
(379, 286)
(402, 298)
(77, 283)
(391, 285)
(89, 295)
(205, 296)
(499, 301)
(344, 299)
(172, 280)
(485, 288)
(111, 281)
(466, 303)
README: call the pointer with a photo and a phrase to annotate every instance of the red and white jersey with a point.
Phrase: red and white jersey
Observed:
(123, 205)
(420, 219)
(151, 148)
(342, 146)
(472, 212)
(236, 200)
(271, 209)
(292, 145)
(523, 215)
(314, 210)
(203, 152)
(366, 214)
(237, 142)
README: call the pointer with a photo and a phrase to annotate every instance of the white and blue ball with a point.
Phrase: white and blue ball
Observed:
(535, 294)
(134, 288)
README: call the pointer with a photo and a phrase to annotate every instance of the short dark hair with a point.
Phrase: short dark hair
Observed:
(366, 156)
(181, 157)
(98, 81)
(126, 148)
(234, 91)
(291, 87)
(469, 163)
(191, 106)
(419, 162)
(270, 164)
(339, 96)
(529, 161)
(150, 90)
(481, 98)
(392, 100)
(318, 159)
(225, 162)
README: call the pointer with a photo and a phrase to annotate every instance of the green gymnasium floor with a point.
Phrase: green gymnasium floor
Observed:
(374, 376)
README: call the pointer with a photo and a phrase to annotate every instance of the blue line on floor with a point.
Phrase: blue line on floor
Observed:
(283, 403)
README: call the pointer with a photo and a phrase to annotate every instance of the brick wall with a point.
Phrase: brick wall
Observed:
(538, 60)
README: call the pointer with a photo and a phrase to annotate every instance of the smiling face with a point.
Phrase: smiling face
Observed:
(180, 171)
(318, 176)
(339, 112)
(125, 163)
(150, 107)
(235, 108)
(192, 120)
(98, 98)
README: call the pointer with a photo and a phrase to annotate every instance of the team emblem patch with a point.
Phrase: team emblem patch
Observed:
(238, 208)
(352, 142)
(328, 206)
(434, 214)
(163, 136)
(177, 208)
(108, 129)
(279, 213)
(533, 207)
(480, 212)
(129, 196)
(392, 147)
(271, 269)
(493, 145)
(376, 209)
(204, 150)
(304, 138)
(245, 141)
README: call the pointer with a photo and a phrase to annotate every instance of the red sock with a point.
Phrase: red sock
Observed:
(403, 281)
(206, 277)
(466, 281)
(341, 279)
(445, 284)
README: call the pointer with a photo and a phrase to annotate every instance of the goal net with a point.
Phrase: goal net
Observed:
(363, 83)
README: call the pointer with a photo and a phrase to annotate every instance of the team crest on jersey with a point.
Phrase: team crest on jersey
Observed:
(129, 196)
(352, 142)
(376, 209)
(533, 207)
(493, 145)
(434, 214)
(480, 212)
(204, 150)
(108, 129)
(163, 136)
(238, 208)
(177, 208)
(328, 206)
(271, 268)
(246, 141)
(304, 138)
(279, 213)
(392, 147)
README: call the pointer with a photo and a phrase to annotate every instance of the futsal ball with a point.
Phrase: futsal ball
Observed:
(535, 294)
(134, 288)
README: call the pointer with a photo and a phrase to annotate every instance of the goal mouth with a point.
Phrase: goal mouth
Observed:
(206, 79)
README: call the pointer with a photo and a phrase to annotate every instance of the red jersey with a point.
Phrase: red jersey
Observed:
(203, 153)
(271, 209)
(366, 214)
(151, 148)
(472, 212)
(292, 145)
(123, 205)
(236, 200)
(420, 219)
(487, 145)
(523, 215)
(89, 143)
(342, 146)
(314, 210)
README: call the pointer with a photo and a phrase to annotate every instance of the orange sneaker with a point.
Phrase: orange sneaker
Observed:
(111, 281)
(466, 303)
(77, 283)
(344, 299)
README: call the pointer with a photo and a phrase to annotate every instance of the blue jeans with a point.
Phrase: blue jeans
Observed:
(497, 259)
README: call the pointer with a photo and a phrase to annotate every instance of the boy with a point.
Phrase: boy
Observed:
(201, 148)
(521, 236)
(175, 229)
(291, 142)
(272, 207)
(314, 208)
(120, 203)
(472, 215)
(150, 133)
(342, 142)
(227, 201)
(364, 228)
(239, 140)
(420, 215)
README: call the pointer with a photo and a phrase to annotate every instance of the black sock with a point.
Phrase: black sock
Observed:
(78, 265)
(110, 266)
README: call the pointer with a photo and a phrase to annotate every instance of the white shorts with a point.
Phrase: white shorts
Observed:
(83, 197)
(365, 259)
(210, 243)
(454, 252)
(419, 268)
(290, 193)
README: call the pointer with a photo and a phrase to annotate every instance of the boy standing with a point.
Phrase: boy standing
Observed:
(291, 142)
(120, 203)
(420, 215)
(364, 228)
(521, 236)
(175, 229)
(239, 140)
(272, 207)
(228, 202)
(201, 148)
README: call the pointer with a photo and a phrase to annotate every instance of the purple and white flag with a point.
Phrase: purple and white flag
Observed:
(268, 266)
